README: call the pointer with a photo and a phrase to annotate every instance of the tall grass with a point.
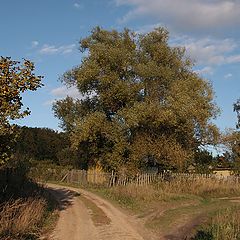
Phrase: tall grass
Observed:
(19, 219)
(224, 226)
(201, 186)
(165, 190)
(24, 205)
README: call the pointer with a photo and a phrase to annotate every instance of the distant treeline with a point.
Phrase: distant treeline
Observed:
(46, 146)
(40, 144)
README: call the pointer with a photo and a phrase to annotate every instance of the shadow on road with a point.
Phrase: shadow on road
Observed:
(64, 197)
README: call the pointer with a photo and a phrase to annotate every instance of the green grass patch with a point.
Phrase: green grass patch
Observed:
(99, 218)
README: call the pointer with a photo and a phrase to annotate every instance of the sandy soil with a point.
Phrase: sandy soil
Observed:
(85, 216)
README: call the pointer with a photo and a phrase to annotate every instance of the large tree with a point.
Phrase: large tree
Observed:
(141, 102)
(15, 79)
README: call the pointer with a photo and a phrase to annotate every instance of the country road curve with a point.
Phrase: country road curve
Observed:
(86, 216)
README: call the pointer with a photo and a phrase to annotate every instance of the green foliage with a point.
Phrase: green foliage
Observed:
(44, 144)
(40, 144)
(142, 101)
(232, 142)
(15, 79)
(204, 161)
(44, 171)
(69, 157)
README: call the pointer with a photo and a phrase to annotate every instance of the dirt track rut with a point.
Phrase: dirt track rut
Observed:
(86, 216)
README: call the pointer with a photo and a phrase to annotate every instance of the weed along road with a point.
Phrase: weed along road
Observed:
(85, 216)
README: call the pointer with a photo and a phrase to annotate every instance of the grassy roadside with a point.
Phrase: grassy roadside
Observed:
(98, 216)
(225, 224)
(168, 214)
(28, 218)
(181, 208)
(27, 211)
(50, 216)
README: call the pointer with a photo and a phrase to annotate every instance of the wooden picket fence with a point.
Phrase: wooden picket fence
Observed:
(84, 177)
(92, 177)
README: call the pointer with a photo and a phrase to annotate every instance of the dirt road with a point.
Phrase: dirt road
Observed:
(85, 216)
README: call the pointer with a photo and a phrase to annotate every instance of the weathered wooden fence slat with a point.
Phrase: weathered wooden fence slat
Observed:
(83, 177)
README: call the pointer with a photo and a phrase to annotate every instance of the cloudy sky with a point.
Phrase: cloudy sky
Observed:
(47, 32)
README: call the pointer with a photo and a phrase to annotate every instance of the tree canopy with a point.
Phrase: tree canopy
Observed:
(40, 144)
(15, 79)
(142, 101)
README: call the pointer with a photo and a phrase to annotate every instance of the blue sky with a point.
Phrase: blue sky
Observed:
(47, 32)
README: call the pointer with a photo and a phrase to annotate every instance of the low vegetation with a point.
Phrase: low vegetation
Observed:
(27, 210)
(224, 225)
(168, 207)
(177, 187)
(26, 218)
(200, 186)
(21, 218)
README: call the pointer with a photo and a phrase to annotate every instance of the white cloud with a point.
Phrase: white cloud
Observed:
(62, 92)
(205, 71)
(77, 5)
(47, 49)
(229, 75)
(147, 28)
(35, 43)
(187, 14)
(233, 59)
(203, 50)
(208, 51)
(49, 102)
(52, 49)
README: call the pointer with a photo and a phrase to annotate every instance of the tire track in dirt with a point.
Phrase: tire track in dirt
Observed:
(86, 216)
(74, 221)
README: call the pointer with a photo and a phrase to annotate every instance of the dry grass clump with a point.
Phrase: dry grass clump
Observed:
(188, 189)
(201, 186)
(224, 226)
(176, 187)
(20, 218)
(137, 197)
(26, 208)
(144, 193)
